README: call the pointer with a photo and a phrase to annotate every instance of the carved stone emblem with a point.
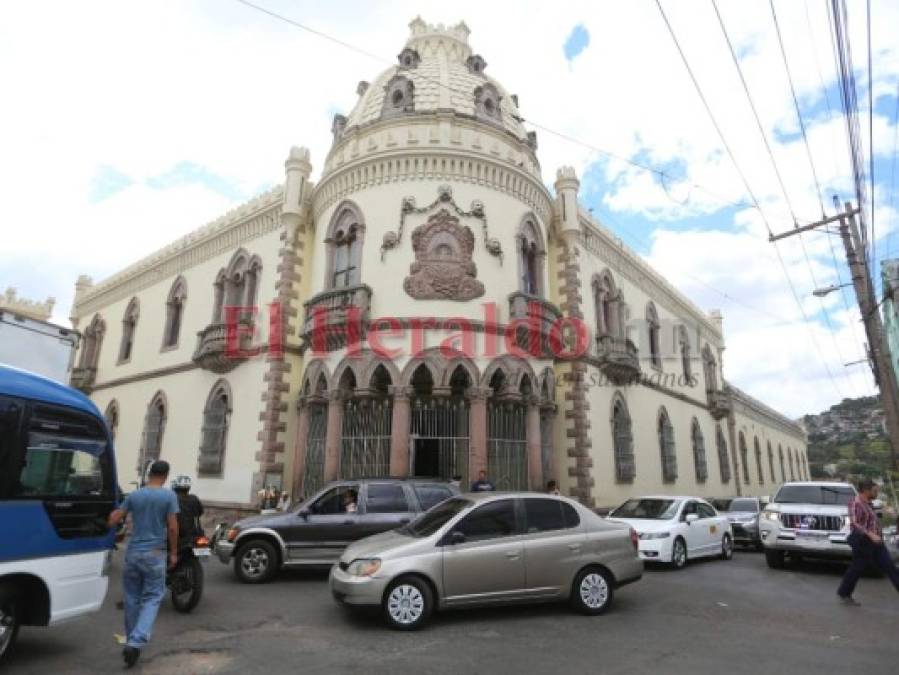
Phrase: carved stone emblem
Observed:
(443, 269)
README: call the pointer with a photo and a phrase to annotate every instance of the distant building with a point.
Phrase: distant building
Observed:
(890, 272)
(13, 304)
(432, 213)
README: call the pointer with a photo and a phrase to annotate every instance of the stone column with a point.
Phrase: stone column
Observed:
(332, 436)
(299, 448)
(477, 434)
(399, 432)
(535, 455)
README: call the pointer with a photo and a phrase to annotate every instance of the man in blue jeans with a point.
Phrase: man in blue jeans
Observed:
(866, 540)
(154, 520)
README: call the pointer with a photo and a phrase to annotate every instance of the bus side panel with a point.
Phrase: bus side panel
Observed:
(28, 533)
(76, 583)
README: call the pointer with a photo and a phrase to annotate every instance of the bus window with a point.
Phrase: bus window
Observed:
(59, 466)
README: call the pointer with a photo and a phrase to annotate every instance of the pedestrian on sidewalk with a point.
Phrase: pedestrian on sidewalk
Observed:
(482, 484)
(866, 540)
(154, 523)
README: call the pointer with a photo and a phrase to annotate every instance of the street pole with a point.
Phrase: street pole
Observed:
(864, 293)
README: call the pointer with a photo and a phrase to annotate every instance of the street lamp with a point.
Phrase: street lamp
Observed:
(821, 292)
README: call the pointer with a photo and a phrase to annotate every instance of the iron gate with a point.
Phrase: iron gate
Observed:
(507, 452)
(442, 423)
(314, 466)
(365, 438)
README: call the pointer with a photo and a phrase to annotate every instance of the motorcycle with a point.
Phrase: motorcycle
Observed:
(185, 580)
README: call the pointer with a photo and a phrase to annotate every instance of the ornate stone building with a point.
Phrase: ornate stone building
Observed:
(428, 307)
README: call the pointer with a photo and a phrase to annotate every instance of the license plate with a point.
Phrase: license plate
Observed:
(201, 552)
(811, 535)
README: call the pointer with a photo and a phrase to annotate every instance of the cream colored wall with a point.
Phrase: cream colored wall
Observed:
(147, 352)
(186, 395)
(752, 428)
(381, 209)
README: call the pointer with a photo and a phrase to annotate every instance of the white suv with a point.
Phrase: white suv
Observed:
(807, 519)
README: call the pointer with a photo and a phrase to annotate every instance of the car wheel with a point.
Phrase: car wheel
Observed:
(9, 619)
(592, 591)
(256, 562)
(679, 553)
(727, 547)
(408, 603)
(775, 559)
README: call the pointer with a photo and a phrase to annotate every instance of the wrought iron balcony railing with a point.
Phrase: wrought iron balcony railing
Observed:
(618, 358)
(535, 318)
(220, 352)
(334, 315)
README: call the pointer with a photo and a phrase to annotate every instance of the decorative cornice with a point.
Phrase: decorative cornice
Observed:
(432, 165)
(603, 244)
(752, 407)
(257, 217)
(11, 302)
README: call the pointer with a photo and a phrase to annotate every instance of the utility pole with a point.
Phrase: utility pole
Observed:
(864, 292)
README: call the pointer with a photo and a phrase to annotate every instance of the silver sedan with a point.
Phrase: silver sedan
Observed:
(489, 548)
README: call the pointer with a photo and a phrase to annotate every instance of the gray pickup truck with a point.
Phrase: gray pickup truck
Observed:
(316, 531)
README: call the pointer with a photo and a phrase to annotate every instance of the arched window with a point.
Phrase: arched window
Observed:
(710, 370)
(214, 436)
(699, 459)
(237, 286)
(666, 447)
(154, 426)
(758, 460)
(723, 459)
(129, 326)
(790, 462)
(685, 355)
(531, 254)
(771, 462)
(609, 306)
(399, 96)
(623, 441)
(112, 418)
(93, 339)
(654, 328)
(744, 457)
(174, 313)
(783, 469)
(344, 244)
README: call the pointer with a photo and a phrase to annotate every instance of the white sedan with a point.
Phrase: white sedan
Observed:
(675, 529)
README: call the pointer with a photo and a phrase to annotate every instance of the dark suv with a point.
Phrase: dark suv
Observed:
(315, 532)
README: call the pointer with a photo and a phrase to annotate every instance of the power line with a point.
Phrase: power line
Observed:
(748, 190)
(811, 162)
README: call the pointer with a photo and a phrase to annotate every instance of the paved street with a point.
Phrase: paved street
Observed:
(739, 616)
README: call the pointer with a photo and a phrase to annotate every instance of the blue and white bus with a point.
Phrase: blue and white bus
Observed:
(57, 488)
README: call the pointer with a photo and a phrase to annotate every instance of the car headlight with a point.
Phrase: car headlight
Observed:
(364, 567)
(655, 535)
(770, 515)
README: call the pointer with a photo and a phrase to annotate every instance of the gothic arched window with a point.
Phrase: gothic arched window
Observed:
(93, 340)
(215, 430)
(623, 442)
(344, 243)
(655, 330)
(758, 460)
(666, 447)
(531, 254)
(174, 313)
(154, 426)
(723, 459)
(744, 458)
(699, 459)
(129, 326)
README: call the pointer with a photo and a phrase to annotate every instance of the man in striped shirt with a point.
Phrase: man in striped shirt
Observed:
(866, 540)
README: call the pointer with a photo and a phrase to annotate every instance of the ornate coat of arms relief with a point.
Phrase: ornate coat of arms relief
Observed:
(443, 269)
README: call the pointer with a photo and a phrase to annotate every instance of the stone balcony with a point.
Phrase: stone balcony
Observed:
(540, 316)
(617, 358)
(213, 351)
(720, 404)
(329, 314)
(83, 378)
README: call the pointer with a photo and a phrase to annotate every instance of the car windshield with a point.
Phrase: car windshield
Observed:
(743, 506)
(647, 509)
(431, 521)
(815, 494)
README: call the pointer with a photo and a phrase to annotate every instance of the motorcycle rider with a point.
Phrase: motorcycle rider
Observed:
(191, 508)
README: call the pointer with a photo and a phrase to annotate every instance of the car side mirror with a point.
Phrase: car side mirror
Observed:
(692, 518)
(456, 537)
(304, 513)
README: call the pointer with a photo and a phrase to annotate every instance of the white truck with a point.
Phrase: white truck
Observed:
(808, 518)
(37, 346)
